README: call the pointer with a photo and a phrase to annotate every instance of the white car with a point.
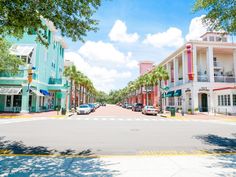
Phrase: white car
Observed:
(149, 110)
(83, 109)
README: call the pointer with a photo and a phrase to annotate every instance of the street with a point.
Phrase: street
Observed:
(111, 133)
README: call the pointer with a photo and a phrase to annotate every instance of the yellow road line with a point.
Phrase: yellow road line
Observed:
(143, 154)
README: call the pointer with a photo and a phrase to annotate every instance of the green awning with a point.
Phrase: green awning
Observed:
(178, 93)
(170, 94)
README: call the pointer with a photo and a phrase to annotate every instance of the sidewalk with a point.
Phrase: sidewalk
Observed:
(30, 115)
(200, 116)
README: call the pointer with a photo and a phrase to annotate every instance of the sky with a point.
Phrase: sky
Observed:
(131, 31)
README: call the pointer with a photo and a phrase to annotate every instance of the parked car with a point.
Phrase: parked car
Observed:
(124, 105)
(83, 109)
(103, 104)
(129, 106)
(92, 106)
(137, 107)
(149, 110)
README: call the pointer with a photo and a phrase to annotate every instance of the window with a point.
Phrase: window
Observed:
(229, 100)
(225, 100)
(8, 101)
(218, 100)
(49, 36)
(211, 38)
(222, 100)
(171, 101)
(179, 101)
(17, 101)
(234, 100)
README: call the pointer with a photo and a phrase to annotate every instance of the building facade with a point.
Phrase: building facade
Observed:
(48, 88)
(202, 76)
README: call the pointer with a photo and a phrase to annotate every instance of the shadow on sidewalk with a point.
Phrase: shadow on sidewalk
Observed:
(225, 146)
(34, 165)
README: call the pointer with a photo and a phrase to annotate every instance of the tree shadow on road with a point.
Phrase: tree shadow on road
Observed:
(225, 150)
(22, 160)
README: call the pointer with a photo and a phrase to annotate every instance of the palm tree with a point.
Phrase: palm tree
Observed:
(71, 73)
(160, 74)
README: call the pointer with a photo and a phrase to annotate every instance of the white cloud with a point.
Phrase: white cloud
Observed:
(170, 38)
(106, 54)
(119, 33)
(103, 78)
(196, 28)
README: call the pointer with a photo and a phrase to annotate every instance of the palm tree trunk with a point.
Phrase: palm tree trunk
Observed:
(147, 96)
(160, 96)
(75, 96)
(71, 100)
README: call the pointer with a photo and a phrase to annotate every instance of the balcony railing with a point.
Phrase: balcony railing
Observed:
(228, 79)
(55, 81)
(202, 78)
(179, 82)
(19, 74)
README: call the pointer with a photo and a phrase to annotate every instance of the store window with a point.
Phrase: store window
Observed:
(229, 100)
(234, 100)
(171, 101)
(8, 101)
(17, 100)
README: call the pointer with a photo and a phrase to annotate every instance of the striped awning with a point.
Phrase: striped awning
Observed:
(10, 91)
(36, 92)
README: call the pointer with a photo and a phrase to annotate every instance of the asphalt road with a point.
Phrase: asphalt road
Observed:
(112, 130)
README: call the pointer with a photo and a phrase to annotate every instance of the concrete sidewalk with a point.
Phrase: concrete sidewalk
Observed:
(30, 115)
(200, 116)
(124, 166)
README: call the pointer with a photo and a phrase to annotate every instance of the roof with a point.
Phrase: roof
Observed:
(224, 88)
(21, 49)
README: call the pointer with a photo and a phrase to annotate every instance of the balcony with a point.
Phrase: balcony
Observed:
(227, 79)
(55, 81)
(179, 82)
(202, 78)
(20, 74)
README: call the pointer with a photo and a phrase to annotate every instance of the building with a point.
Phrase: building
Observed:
(47, 89)
(202, 75)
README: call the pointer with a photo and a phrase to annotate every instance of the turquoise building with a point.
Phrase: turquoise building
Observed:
(48, 88)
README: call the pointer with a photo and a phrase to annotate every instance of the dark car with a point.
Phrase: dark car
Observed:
(92, 106)
(129, 106)
(137, 107)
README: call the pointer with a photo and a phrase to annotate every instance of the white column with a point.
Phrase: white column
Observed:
(234, 58)
(210, 102)
(176, 71)
(210, 64)
(195, 63)
(194, 99)
(169, 73)
(184, 67)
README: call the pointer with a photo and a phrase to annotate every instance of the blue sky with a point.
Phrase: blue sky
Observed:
(130, 31)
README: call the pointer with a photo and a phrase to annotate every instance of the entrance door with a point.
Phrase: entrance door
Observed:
(204, 102)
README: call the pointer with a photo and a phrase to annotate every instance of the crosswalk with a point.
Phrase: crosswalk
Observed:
(107, 118)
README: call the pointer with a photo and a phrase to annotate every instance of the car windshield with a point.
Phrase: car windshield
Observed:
(83, 106)
(150, 107)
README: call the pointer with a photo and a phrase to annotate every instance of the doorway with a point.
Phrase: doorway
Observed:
(204, 101)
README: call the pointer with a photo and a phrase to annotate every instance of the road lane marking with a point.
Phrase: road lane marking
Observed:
(5, 153)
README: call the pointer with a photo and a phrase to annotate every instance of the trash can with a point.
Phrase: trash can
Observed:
(172, 112)
(63, 111)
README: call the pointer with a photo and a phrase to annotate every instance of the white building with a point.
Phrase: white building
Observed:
(202, 75)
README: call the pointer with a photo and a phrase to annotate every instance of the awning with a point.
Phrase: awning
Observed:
(36, 92)
(45, 92)
(178, 93)
(170, 94)
(10, 91)
(21, 50)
